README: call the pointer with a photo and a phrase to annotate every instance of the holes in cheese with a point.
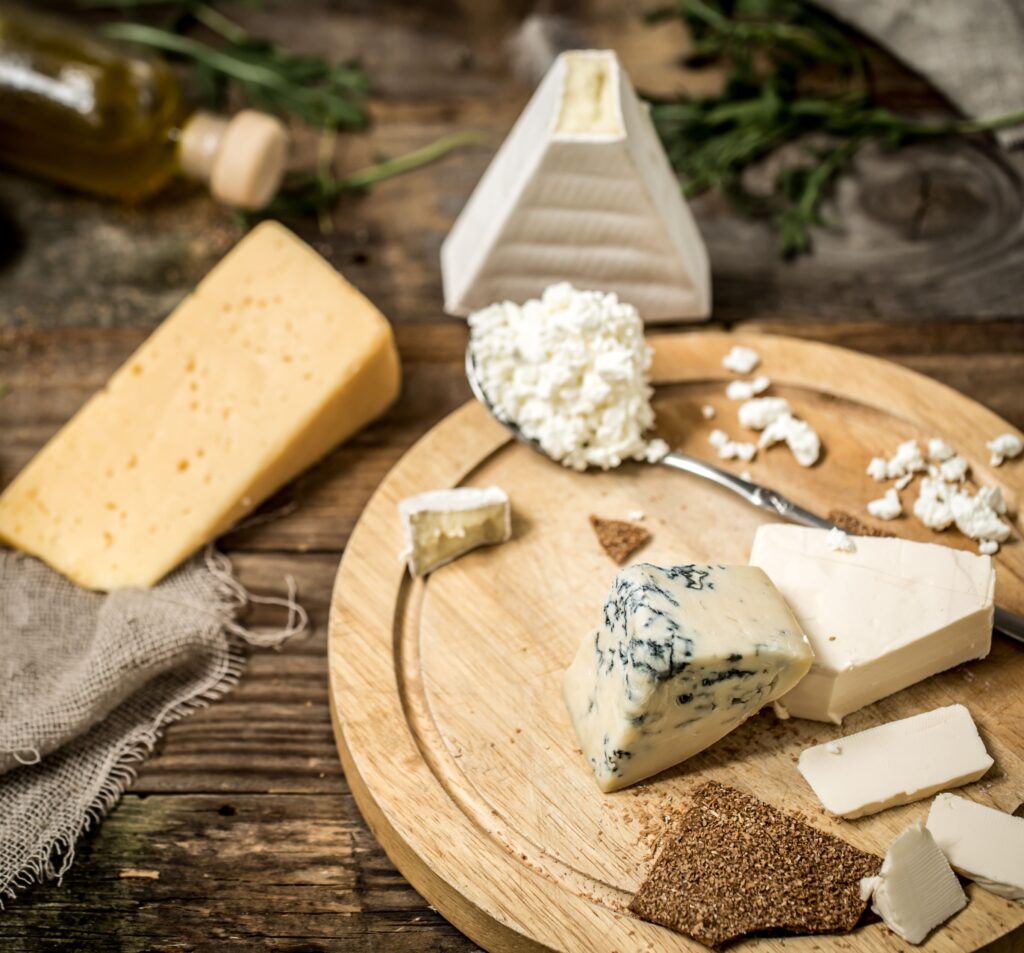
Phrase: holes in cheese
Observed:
(198, 427)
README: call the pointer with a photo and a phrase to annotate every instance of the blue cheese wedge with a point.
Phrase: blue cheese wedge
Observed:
(880, 617)
(684, 655)
(442, 525)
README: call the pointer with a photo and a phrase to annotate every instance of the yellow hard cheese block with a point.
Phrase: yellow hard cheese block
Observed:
(271, 362)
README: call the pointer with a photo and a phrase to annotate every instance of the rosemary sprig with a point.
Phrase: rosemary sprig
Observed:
(767, 48)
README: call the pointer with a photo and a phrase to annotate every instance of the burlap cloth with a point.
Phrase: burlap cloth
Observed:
(87, 683)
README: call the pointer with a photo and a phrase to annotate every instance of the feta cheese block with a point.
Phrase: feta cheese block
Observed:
(580, 191)
(441, 525)
(981, 843)
(684, 655)
(879, 618)
(896, 763)
(271, 362)
(915, 890)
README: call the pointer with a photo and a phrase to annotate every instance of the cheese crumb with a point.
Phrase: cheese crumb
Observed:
(707, 412)
(759, 413)
(939, 450)
(988, 547)
(744, 390)
(636, 515)
(571, 371)
(932, 506)
(907, 459)
(887, 507)
(741, 360)
(1004, 447)
(834, 747)
(904, 481)
(878, 470)
(798, 435)
(729, 449)
(839, 541)
(953, 470)
(978, 516)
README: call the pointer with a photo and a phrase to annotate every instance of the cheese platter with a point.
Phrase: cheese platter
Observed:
(446, 689)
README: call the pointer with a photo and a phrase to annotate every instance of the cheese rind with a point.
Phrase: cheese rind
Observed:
(915, 890)
(981, 843)
(896, 763)
(580, 191)
(441, 525)
(685, 654)
(269, 364)
(880, 618)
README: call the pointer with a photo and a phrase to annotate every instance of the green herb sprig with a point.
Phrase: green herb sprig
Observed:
(768, 48)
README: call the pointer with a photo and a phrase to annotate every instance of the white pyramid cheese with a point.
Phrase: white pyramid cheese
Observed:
(441, 525)
(981, 843)
(879, 618)
(896, 763)
(684, 655)
(580, 191)
(915, 890)
(270, 363)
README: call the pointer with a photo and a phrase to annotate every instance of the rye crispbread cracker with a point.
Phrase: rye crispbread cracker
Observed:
(618, 538)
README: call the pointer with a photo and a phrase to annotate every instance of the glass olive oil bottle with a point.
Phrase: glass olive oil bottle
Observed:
(109, 120)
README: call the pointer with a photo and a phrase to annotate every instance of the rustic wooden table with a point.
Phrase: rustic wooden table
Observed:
(241, 834)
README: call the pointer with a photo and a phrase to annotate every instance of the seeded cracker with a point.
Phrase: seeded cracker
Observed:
(618, 538)
(733, 865)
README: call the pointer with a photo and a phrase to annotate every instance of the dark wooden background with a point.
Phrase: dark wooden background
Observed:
(241, 834)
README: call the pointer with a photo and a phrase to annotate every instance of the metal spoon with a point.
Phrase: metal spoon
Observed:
(757, 495)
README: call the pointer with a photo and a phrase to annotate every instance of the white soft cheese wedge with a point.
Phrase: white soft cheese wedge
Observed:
(270, 363)
(896, 763)
(442, 525)
(683, 656)
(915, 890)
(580, 191)
(981, 843)
(879, 618)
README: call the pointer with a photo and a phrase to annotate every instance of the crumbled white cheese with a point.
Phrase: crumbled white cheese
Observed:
(887, 507)
(741, 360)
(977, 517)
(745, 475)
(953, 470)
(840, 542)
(731, 449)
(707, 412)
(939, 450)
(758, 413)
(904, 481)
(1004, 447)
(744, 390)
(988, 547)
(907, 459)
(570, 369)
(993, 497)
(878, 470)
(799, 436)
(834, 747)
(932, 506)
(636, 515)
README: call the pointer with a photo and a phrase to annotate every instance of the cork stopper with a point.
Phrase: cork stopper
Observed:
(242, 159)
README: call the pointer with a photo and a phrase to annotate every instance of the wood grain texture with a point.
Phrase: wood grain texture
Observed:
(446, 692)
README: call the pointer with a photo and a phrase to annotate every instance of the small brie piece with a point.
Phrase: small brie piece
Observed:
(1005, 447)
(915, 890)
(880, 618)
(741, 360)
(684, 655)
(981, 843)
(745, 390)
(886, 507)
(581, 191)
(896, 763)
(759, 413)
(442, 525)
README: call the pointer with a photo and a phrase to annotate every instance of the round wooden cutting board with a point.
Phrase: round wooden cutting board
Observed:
(446, 692)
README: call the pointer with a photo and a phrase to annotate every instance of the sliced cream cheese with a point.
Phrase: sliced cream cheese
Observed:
(684, 655)
(580, 191)
(442, 525)
(981, 843)
(896, 763)
(880, 618)
(915, 890)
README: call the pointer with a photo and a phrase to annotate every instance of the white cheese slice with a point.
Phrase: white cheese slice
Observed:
(684, 655)
(580, 191)
(896, 763)
(880, 618)
(442, 525)
(915, 890)
(981, 843)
